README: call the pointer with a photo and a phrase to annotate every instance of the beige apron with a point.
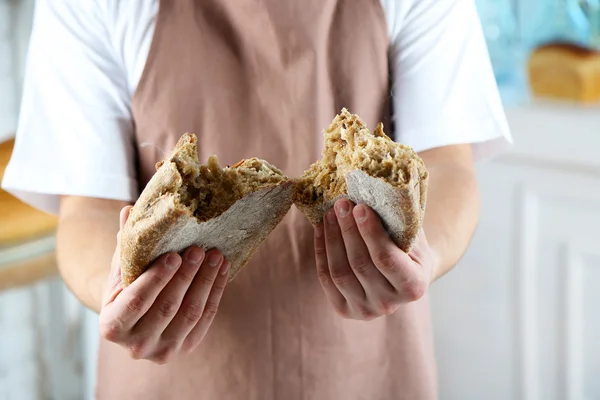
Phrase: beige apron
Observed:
(263, 78)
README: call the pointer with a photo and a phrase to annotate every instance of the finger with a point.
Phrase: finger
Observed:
(204, 298)
(331, 291)
(168, 302)
(339, 268)
(136, 299)
(357, 252)
(395, 265)
(195, 300)
(116, 266)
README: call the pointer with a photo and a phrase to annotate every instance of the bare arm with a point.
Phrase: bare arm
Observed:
(86, 241)
(452, 204)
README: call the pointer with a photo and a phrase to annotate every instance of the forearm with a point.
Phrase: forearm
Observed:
(452, 205)
(86, 241)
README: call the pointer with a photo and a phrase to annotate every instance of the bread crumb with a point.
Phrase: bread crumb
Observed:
(209, 190)
(349, 145)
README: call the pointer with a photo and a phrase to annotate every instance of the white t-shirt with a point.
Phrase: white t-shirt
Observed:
(86, 57)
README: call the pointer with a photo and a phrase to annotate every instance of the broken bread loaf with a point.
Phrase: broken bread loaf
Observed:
(232, 209)
(369, 168)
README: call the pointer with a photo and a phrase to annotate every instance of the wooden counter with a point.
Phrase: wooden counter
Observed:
(26, 237)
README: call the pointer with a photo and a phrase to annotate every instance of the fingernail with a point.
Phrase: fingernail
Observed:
(342, 207)
(360, 213)
(330, 215)
(195, 255)
(214, 259)
(173, 261)
(225, 268)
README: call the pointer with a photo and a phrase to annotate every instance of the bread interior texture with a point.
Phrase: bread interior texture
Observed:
(209, 190)
(349, 145)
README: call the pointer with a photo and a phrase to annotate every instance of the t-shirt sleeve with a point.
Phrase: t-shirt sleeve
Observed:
(75, 131)
(444, 91)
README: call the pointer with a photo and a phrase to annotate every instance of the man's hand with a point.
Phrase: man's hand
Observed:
(169, 308)
(364, 274)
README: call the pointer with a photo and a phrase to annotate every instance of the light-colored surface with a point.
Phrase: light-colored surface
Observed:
(517, 319)
(15, 25)
(555, 135)
(8, 94)
(44, 351)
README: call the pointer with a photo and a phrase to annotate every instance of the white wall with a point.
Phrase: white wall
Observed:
(8, 83)
(15, 26)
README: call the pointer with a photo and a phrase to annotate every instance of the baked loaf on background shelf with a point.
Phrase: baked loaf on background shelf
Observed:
(565, 71)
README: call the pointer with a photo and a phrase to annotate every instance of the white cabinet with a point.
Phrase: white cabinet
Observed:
(8, 91)
(519, 316)
(15, 26)
(45, 347)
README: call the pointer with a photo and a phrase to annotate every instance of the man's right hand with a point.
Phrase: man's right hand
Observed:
(169, 308)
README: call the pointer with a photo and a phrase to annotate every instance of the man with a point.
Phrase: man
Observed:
(335, 311)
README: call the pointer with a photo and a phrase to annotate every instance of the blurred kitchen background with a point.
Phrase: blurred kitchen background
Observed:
(517, 319)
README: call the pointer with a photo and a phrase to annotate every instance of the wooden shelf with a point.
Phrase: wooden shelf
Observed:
(26, 237)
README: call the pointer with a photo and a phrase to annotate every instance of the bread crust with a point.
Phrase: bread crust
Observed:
(159, 223)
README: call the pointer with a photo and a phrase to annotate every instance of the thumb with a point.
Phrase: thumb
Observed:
(114, 286)
(124, 215)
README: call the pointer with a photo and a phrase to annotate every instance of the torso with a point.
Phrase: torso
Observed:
(263, 78)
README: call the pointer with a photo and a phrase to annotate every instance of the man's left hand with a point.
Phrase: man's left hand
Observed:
(363, 272)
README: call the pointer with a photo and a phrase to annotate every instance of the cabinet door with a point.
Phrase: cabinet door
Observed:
(518, 317)
(41, 351)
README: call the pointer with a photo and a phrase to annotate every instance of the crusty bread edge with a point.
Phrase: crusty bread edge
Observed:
(156, 210)
(141, 242)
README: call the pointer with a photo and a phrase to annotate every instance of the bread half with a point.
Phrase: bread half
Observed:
(369, 168)
(232, 209)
